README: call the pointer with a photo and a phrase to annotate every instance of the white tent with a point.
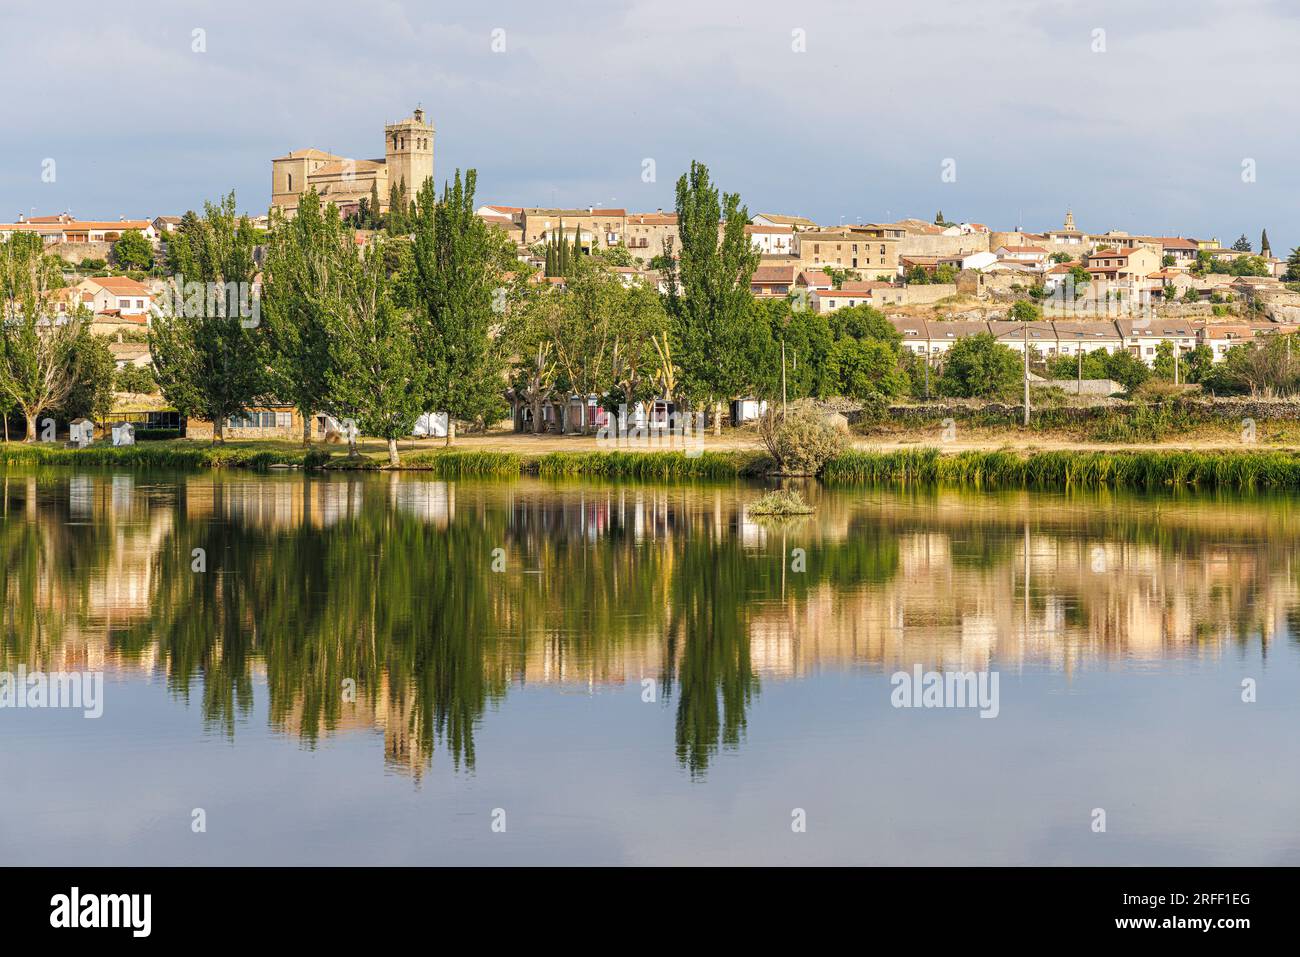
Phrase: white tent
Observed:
(81, 432)
(431, 424)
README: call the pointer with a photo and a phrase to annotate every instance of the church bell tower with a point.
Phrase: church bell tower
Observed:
(408, 153)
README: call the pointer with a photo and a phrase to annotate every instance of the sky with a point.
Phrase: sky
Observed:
(1138, 115)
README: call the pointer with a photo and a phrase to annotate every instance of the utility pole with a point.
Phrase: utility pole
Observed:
(1079, 389)
(1177, 350)
(1026, 375)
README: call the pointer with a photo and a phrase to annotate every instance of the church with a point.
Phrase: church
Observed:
(408, 159)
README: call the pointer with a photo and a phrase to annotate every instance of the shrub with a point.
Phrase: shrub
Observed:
(780, 503)
(801, 441)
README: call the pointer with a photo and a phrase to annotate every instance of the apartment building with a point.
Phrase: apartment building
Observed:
(873, 257)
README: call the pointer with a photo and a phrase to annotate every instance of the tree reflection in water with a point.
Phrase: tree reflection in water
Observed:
(386, 584)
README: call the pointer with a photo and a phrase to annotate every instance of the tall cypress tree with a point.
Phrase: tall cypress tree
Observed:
(373, 223)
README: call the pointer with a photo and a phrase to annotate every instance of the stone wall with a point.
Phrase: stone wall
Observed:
(75, 252)
(921, 295)
(919, 245)
(1233, 410)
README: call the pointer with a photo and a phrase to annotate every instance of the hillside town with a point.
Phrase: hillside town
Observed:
(1052, 296)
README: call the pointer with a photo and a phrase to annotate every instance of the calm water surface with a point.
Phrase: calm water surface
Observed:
(1121, 629)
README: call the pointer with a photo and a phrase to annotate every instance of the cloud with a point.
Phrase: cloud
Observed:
(1147, 135)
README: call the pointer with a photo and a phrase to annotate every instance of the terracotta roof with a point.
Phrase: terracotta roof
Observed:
(652, 219)
(814, 277)
(774, 274)
(309, 153)
(342, 166)
(784, 220)
(121, 285)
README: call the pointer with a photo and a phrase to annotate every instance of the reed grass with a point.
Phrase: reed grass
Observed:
(457, 463)
(155, 456)
(1243, 470)
(658, 465)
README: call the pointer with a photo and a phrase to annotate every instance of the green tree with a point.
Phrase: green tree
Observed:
(375, 374)
(373, 222)
(1197, 363)
(862, 368)
(137, 379)
(1126, 369)
(1163, 367)
(307, 262)
(208, 356)
(980, 367)
(453, 280)
(1242, 245)
(400, 210)
(133, 251)
(1023, 310)
(1091, 365)
(39, 349)
(639, 320)
(92, 396)
(863, 322)
(708, 291)
(1293, 266)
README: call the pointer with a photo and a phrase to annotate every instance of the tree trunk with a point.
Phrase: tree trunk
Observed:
(31, 429)
(537, 417)
(392, 452)
(451, 429)
(218, 432)
(717, 418)
(306, 430)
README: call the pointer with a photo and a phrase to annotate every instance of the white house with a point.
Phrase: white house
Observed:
(978, 261)
(771, 240)
(1034, 257)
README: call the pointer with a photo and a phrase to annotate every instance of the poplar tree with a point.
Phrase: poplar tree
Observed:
(708, 294)
(453, 280)
(376, 375)
(308, 259)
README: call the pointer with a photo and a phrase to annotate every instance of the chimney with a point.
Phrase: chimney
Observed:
(22, 218)
(590, 210)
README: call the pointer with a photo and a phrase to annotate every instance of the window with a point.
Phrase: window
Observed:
(254, 420)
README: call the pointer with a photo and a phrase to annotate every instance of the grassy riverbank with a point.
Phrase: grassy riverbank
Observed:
(161, 455)
(1238, 470)
(446, 463)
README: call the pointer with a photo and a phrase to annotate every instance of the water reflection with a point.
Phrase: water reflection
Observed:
(387, 581)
